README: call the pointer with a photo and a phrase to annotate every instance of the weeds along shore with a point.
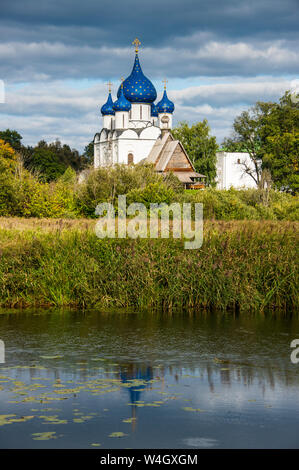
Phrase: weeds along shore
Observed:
(242, 265)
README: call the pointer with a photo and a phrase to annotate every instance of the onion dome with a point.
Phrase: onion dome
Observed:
(165, 105)
(137, 87)
(154, 110)
(122, 104)
(107, 108)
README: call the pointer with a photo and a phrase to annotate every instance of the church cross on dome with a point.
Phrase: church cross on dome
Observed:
(136, 43)
(109, 84)
(164, 81)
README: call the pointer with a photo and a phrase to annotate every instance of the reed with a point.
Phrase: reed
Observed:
(242, 265)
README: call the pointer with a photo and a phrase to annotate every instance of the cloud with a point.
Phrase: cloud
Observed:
(50, 61)
(63, 110)
(219, 57)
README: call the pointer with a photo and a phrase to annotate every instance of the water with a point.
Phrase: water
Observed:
(74, 379)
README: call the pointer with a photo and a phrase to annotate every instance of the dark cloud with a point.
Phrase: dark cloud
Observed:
(44, 43)
(92, 39)
(157, 22)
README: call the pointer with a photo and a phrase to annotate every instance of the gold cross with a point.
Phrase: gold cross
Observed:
(109, 84)
(164, 81)
(136, 43)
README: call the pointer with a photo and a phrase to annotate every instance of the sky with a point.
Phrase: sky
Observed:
(219, 57)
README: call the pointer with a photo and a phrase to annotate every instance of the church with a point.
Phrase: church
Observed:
(136, 130)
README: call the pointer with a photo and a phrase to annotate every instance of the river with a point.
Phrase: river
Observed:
(74, 379)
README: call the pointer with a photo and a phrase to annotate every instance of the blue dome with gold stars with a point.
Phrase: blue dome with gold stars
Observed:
(107, 108)
(138, 88)
(154, 110)
(122, 104)
(165, 105)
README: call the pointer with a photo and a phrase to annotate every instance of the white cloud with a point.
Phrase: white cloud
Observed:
(71, 112)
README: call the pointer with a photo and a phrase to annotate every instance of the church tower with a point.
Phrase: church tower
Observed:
(132, 123)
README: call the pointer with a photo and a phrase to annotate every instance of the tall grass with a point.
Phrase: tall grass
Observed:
(241, 265)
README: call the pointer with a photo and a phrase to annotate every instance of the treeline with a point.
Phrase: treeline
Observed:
(23, 194)
(47, 161)
(43, 181)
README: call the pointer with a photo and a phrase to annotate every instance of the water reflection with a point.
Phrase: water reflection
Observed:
(181, 381)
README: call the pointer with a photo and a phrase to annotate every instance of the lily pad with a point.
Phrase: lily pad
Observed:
(44, 436)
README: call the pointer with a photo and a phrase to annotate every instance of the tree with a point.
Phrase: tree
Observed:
(88, 153)
(50, 161)
(13, 138)
(200, 146)
(45, 161)
(8, 157)
(281, 154)
(268, 132)
(8, 162)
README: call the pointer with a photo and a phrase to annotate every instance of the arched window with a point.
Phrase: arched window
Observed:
(123, 121)
(130, 158)
(141, 111)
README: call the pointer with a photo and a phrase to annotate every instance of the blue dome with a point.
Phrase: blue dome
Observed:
(107, 108)
(165, 105)
(122, 104)
(154, 110)
(138, 88)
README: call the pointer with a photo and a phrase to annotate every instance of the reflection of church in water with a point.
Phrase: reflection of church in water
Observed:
(129, 375)
(135, 129)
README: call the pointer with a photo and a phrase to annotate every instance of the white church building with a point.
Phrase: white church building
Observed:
(132, 123)
(230, 168)
(136, 129)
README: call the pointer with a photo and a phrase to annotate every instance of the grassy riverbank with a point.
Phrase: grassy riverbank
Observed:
(241, 265)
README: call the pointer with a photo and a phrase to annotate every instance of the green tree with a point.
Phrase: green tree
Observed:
(46, 162)
(50, 161)
(200, 146)
(13, 138)
(88, 153)
(269, 133)
(281, 152)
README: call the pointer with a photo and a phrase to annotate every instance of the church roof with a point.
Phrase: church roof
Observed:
(122, 104)
(165, 105)
(107, 108)
(168, 154)
(186, 176)
(154, 110)
(137, 87)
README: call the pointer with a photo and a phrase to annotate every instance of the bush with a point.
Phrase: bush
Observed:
(152, 193)
(106, 184)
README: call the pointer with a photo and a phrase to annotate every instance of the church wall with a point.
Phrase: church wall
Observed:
(140, 114)
(107, 122)
(230, 171)
(121, 120)
(139, 148)
(97, 159)
(179, 160)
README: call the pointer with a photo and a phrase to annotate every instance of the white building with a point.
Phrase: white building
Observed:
(231, 167)
(133, 123)
(134, 129)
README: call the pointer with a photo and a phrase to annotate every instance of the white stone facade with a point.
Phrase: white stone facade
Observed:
(230, 168)
(129, 136)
